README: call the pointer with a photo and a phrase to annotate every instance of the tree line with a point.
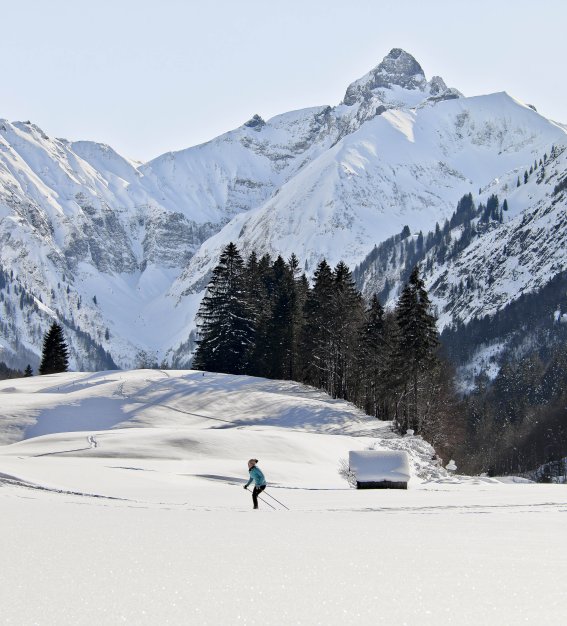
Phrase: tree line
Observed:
(262, 317)
(399, 254)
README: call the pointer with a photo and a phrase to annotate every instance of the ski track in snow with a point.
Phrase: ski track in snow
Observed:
(91, 440)
(412, 509)
(18, 482)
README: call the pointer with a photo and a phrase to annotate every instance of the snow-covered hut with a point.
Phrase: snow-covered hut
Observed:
(380, 469)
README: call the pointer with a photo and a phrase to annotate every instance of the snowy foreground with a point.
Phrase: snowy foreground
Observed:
(122, 503)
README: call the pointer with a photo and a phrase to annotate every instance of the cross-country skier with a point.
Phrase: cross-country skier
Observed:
(258, 478)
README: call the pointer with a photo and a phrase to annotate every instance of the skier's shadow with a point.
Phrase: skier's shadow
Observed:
(225, 479)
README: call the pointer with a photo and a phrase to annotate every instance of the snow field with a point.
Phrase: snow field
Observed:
(75, 562)
(122, 503)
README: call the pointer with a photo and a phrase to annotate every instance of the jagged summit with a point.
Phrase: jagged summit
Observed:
(255, 122)
(400, 70)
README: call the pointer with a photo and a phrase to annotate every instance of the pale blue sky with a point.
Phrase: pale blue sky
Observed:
(151, 76)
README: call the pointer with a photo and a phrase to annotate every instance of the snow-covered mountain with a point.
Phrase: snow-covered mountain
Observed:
(113, 247)
(504, 269)
(519, 256)
(504, 258)
(403, 167)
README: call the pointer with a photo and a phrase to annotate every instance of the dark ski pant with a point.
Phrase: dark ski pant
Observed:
(257, 491)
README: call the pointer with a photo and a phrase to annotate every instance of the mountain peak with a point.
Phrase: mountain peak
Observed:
(397, 69)
(256, 122)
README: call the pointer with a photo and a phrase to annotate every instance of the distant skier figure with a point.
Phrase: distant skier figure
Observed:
(258, 478)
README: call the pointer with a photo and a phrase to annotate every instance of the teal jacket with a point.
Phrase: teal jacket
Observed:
(257, 476)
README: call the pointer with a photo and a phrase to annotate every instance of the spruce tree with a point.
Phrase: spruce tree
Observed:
(301, 293)
(278, 339)
(416, 348)
(347, 314)
(257, 278)
(465, 211)
(315, 336)
(373, 359)
(438, 235)
(55, 355)
(492, 208)
(28, 372)
(225, 318)
(419, 244)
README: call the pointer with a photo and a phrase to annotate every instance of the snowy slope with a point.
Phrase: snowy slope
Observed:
(122, 502)
(503, 275)
(503, 260)
(157, 408)
(240, 169)
(402, 167)
(112, 247)
(59, 432)
(519, 257)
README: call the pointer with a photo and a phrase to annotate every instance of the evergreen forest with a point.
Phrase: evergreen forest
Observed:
(262, 317)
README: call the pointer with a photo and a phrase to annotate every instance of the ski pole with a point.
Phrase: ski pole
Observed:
(264, 501)
(281, 503)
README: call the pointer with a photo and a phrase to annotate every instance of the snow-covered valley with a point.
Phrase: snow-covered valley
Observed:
(122, 502)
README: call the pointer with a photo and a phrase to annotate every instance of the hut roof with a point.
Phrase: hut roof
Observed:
(379, 465)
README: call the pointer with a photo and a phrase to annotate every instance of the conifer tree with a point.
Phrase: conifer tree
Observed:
(299, 287)
(416, 348)
(465, 211)
(301, 293)
(492, 208)
(28, 372)
(225, 319)
(256, 288)
(419, 244)
(315, 332)
(347, 314)
(373, 356)
(55, 355)
(438, 235)
(279, 329)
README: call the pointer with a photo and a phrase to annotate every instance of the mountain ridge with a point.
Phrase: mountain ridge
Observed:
(111, 245)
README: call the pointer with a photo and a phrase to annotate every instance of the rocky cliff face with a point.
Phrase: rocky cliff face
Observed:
(398, 72)
(120, 251)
